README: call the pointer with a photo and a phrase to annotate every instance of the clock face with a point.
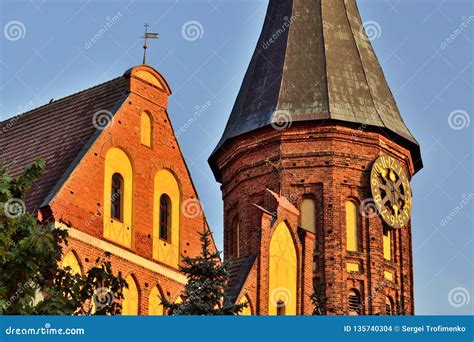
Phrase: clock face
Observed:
(391, 191)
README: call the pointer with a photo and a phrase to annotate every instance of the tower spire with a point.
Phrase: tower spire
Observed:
(147, 35)
(314, 114)
(320, 68)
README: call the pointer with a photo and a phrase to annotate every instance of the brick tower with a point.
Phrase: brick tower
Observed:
(315, 164)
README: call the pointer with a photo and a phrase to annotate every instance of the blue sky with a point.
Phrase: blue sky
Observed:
(424, 46)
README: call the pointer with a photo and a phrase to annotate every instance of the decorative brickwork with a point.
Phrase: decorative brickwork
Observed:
(80, 200)
(313, 114)
(332, 164)
(73, 194)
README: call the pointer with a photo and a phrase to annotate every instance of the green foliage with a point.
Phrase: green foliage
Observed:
(319, 300)
(31, 280)
(204, 293)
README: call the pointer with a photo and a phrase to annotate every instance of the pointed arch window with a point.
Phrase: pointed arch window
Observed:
(308, 214)
(247, 311)
(118, 197)
(352, 229)
(70, 260)
(354, 303)
(116, 208)
(165, 217)
(155, 305)
(130, 298)
(282, 279)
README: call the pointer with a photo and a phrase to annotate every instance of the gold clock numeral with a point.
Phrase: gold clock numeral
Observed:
(378, 169)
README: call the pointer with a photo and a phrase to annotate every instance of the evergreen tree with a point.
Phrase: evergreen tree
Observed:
(319, 301)
(31, 280)
(205, 292)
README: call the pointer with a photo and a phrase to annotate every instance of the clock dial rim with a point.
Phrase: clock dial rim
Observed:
(396, 188)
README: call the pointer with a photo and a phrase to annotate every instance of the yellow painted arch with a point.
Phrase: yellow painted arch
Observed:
(352, 222)
(247, 311)
(283, 271)
(70, 260)
(155, 305)
(387, 244)
(154, 79)
(130, 298)
(116, 161)
(145, 129)
(167, 251)
(178, 300)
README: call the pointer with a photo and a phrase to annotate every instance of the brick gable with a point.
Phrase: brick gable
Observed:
(72, 194)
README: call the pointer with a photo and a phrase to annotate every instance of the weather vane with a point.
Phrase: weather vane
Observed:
(147, 35)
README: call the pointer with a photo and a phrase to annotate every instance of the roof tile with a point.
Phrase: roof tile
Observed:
(56, 132)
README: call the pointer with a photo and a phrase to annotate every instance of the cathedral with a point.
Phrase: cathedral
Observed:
(314, 164)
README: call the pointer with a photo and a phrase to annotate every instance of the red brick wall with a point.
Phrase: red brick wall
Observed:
(80, 201)
(331, 163)
(145, 278)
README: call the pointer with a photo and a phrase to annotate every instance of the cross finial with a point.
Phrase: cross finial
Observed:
(147, 35)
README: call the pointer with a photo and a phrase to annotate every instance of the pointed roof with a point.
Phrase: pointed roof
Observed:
(57, 132)
(314, 62)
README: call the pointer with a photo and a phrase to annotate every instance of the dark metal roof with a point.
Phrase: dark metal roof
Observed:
(314, 62)
(238, 271)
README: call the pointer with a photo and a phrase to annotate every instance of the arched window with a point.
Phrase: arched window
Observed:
(73, 267)
(355, 307)
(118, 197)
(71, 261)
(130, 298)
(145, 129)
(155, 305)
(387, 243)
(281, 308)
(116, 207)
(165, 218)
(282, 280)
(389, 306)
(352, 222)
(308, 214)
(247, 311)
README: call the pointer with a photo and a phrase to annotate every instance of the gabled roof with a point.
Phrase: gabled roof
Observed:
(314, 62)
(57, 132)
